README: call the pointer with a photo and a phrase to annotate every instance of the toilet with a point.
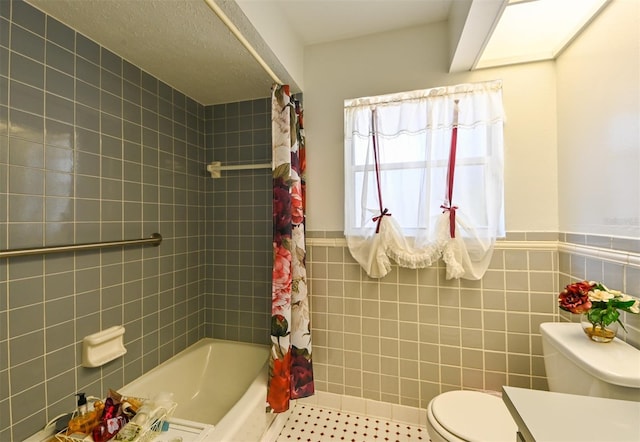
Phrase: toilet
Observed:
(464, 415)
(573, 364)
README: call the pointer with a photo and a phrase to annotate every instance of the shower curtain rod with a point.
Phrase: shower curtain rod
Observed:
(235, 31)
(216, 167)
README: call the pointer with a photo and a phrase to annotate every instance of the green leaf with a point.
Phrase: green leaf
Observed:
(595, 315)
(622, 304)
(610, 315)
(283, 170)
(599, 304)
(622, 325)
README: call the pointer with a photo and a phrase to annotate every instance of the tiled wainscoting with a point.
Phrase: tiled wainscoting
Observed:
(613, 261)
(409, 336)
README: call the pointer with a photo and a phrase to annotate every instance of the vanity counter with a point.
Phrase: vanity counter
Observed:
(545, 416)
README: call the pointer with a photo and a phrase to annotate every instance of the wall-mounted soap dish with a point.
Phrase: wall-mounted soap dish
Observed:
(103, 346)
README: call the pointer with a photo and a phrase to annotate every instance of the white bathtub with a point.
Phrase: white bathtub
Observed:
(217, 382)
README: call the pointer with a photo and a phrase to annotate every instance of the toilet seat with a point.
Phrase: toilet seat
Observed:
(474, 416)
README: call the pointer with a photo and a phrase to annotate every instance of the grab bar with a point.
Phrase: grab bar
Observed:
(155, 240)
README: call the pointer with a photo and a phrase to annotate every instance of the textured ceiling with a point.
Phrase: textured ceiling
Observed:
(181, 42)
(184, 44)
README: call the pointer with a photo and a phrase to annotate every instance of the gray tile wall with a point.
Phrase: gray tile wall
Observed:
(413, 334)
(91, 149)
(617, 275)
(239, 251)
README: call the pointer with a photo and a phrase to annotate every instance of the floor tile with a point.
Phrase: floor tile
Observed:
(314, 424)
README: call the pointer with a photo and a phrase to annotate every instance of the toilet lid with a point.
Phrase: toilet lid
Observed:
(474, 416)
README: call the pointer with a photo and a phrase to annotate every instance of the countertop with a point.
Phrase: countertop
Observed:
(545, 416)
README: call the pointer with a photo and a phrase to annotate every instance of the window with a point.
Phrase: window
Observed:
(433, 159)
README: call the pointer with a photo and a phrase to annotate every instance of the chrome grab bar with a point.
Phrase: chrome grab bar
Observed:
(155, 240)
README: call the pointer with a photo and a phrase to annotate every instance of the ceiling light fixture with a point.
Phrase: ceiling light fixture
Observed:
(535, 30)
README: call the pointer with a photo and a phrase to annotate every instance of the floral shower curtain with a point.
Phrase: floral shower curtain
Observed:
(290, 368)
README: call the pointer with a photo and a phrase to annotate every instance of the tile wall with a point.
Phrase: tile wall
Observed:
(613, 261)
(409, 336)
(91, 149)
(239, 213)
(412, 334)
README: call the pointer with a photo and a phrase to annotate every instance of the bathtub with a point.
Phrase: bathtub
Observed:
(216, 382)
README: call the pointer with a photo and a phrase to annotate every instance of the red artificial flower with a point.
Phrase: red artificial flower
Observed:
(575, 297)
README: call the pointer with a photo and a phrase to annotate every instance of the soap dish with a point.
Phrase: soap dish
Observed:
(103, 346)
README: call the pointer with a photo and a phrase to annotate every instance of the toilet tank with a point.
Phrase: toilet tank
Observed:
(577, 365)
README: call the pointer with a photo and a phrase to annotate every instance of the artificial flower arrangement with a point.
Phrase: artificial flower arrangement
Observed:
(599, 304)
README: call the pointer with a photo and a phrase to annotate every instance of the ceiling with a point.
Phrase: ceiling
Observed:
(321, 21)
(184, 44)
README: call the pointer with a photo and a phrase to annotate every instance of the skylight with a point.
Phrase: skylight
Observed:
(535, 30)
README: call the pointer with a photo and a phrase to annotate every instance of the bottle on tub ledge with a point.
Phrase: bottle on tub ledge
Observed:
(84, 419)
(149, 417)
(110, 423)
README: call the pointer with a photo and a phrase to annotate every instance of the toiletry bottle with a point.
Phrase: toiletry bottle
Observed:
(110, 423)
(107, 429)
(94, 415)
(80, 423)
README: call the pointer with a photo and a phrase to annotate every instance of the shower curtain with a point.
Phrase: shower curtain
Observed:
(290, 368)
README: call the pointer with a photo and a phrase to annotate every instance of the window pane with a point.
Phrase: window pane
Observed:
(362, 147)
(469, 193)
(403, 148)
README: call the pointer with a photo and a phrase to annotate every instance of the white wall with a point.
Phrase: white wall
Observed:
(599, 126)
(417, 58)
(265, 17)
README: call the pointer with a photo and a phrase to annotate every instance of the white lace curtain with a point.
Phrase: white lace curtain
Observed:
(418, 163)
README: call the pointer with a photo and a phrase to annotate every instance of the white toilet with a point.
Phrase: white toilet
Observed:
(573, 364)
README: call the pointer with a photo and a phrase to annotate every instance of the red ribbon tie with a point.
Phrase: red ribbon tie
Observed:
(452, 219)
(378, 219)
